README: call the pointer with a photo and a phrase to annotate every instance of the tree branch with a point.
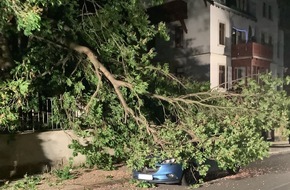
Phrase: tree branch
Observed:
(98, 66)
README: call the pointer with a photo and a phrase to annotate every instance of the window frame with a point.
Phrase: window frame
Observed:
(264, 10)
(270, 13)
(263, 38)
(270, 40)
(222, 33)
(222, 76)
(240, 73)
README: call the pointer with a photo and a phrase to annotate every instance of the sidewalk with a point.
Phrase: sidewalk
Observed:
(279, 147)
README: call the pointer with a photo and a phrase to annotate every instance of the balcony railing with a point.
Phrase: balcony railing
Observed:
(252, 49)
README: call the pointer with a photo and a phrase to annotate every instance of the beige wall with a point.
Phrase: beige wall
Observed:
(35, 152)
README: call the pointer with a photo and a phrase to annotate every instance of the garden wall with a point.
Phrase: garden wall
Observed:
(35, 152)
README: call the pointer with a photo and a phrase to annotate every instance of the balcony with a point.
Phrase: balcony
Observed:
(252, 50)
(168, 12)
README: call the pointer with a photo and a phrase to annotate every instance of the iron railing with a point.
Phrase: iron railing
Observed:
(39, 120)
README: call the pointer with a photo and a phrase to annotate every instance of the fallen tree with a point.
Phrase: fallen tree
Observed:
(93, 58)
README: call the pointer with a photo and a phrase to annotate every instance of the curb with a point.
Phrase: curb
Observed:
(282, 147)
(278, 152)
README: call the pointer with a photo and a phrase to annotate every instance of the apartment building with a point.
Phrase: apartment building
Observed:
(221, 41)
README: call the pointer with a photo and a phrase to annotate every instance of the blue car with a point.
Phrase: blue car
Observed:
(167, 172)
(170, 172)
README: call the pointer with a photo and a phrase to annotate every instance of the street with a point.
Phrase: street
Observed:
(270, 174)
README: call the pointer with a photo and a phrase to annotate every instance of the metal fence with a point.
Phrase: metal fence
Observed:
(39, 121)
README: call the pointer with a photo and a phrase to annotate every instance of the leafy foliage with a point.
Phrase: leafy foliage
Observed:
(11, 99)
(27, 183)
(66, 172)
(93, 58)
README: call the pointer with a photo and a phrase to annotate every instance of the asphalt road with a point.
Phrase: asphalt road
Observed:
(270, 174)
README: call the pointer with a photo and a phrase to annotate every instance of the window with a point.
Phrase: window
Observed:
(250, 34)
(252, 9)
(178, 37)
(270, 42)
(222, 76)
(264, 9)
(270, 12)
(239, 73)
(244, 5)
(257, 71)
(239, 4)
(234, 36)
(222, 34)
(240, 37)
(263, 38)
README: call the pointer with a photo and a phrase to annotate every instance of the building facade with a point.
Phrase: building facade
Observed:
(223, 41)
